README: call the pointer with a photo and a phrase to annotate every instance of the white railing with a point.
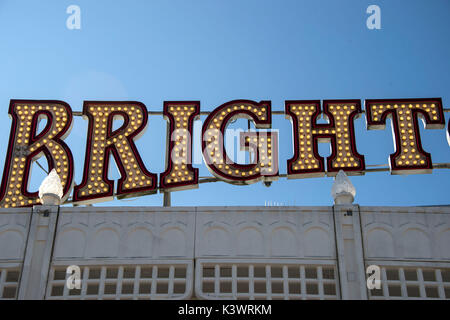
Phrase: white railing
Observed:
(9, 280)
(266, 279)
(412, 280)
(123, 280)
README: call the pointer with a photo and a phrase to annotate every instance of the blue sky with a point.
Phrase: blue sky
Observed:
(216, 51)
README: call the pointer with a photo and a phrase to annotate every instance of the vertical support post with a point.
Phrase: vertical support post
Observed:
(350, 252)
(167, 199)
(38, 252)
(166, 195)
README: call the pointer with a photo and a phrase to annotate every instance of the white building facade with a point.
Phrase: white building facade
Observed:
(225, 252)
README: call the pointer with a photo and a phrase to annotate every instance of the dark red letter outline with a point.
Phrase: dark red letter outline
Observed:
(179, 173)
(340, 132)
(215, 156)
(25, 146)
(409, 156)
(102, 142)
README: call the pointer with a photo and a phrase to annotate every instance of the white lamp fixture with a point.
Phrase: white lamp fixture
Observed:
(51, 190)
(343, 191)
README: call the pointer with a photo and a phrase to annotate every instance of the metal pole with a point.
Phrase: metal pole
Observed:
(166, 200)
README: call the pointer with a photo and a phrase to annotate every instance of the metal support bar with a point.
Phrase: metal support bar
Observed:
(167, 198)
(205, 113)
(40, 166)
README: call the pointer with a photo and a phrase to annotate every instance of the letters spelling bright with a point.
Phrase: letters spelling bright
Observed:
(26, 145)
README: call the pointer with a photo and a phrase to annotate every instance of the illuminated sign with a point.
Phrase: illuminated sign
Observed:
(103, 143)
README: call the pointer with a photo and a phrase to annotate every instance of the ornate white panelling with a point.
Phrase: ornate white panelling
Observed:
(406, 233)
(148, 252)
(292, 232)
(125, 232)
(14, 224)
